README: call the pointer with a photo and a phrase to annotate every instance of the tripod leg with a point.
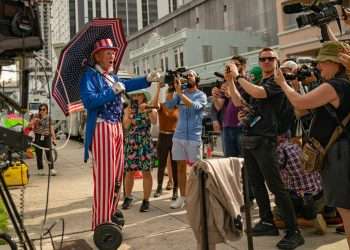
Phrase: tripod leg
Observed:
(14, 215)
(248, 217)
(204, 223)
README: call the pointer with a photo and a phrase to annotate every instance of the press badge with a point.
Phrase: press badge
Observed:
(42, 138)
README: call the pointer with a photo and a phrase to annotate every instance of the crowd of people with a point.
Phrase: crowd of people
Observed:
(248, 111)
(266, 115)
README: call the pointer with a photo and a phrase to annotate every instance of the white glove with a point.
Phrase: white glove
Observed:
(155, 77)
(118, 87)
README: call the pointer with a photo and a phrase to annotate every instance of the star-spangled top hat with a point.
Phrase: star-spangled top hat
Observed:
(103, 44)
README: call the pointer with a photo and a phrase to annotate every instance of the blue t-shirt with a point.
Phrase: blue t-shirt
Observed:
(189, 125)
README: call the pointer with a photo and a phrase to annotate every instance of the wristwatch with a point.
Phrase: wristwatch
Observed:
(239, 76)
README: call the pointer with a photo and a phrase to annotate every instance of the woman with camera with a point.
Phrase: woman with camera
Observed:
(139, 150)
(42, 130)
(330, 102)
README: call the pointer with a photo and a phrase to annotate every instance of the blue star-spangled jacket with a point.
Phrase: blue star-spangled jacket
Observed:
(94, 96)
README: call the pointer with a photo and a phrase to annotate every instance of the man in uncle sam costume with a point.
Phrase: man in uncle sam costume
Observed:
(101, 93)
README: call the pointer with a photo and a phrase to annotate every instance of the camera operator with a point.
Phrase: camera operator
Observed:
(334, 94)
(187, 137)
(259, 147)
(222, 101)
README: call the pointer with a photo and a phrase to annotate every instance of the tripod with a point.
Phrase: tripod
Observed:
(12, 211)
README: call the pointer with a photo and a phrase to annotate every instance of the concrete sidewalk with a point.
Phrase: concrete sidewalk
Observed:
(160, 229)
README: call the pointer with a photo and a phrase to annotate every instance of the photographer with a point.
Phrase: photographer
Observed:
(187, 142)
(42, 129)
(167, 124)
(139, 150)
(332, 96)
(259, 147)
(222, 102)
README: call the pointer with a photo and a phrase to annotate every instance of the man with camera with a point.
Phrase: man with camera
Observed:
(187, 137)
(259, 147)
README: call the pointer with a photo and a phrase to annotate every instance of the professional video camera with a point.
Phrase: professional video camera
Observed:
(321, 14)
(303, 72)
(19, 28)
(170, 76)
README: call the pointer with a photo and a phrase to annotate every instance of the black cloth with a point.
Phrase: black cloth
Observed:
(324, 123)
(268, 108)
(43, 141)
(336, 175)
(260, 158)
(164, 145)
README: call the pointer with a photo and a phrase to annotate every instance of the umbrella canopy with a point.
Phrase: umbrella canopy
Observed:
(77, 53)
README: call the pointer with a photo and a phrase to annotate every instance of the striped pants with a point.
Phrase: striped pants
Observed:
(108, 169)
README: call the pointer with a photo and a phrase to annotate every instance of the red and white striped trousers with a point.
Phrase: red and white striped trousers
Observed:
(108, 169)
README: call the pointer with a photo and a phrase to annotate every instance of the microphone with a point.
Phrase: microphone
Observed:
(218, 74)
(293, 8)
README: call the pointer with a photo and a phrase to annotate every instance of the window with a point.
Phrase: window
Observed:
(207, 51)
(164, 62)
(179, 57)
(155, 62)
(145, 64)
(136, 68)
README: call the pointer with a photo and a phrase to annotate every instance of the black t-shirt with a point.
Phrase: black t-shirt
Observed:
(324, 123)
(267, 108)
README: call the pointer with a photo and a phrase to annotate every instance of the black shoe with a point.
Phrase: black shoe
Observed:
(118, 218)
(127, 203)
(340, 229)
(144, 206)
(291, 241)
(175, 195)
(158, 192)
(265, 229)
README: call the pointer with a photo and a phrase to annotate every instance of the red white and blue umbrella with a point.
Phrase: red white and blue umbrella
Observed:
(77, 54)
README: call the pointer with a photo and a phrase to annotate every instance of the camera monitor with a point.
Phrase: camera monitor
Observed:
(19, 28)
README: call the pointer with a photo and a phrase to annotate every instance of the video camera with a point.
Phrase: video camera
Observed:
(19, 28)
(303, 72)
(321, 14)
(171, 75)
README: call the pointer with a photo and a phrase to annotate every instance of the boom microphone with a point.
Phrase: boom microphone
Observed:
(218, 74)
(293, 8)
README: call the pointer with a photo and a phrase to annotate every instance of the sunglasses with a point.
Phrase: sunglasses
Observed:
(269, 59)
(42, 109)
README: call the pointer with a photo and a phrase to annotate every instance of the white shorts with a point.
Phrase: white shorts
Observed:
(184, 150)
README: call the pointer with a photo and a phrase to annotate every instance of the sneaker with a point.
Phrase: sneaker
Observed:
(53, 172)
(41, 172)
(264, 228)
(178, 203)
(127, 203)
(175, 195)
(158, 192)
(118, 218)
(144, 206)
(320, 224)
(291, 241)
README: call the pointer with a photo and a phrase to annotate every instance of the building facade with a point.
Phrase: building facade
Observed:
(190, 47)
(254, 16)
